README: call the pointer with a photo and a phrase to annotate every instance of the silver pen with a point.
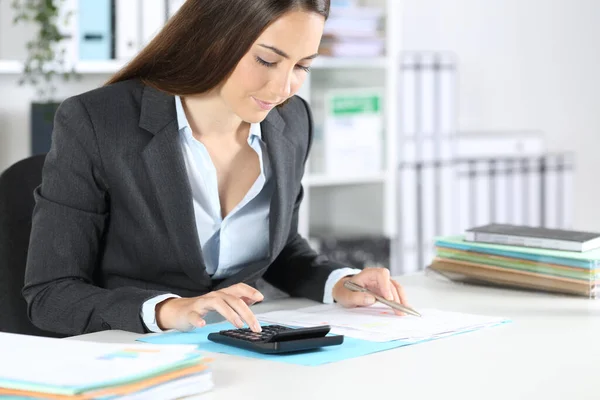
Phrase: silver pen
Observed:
(396, 306)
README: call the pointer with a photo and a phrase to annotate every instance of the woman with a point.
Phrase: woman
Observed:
(170, 191)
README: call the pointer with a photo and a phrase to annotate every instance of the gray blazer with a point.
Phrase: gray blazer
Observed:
(114, 225)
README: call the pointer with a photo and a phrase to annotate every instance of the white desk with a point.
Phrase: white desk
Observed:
(550, 351)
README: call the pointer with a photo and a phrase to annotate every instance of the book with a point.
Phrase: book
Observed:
(477, 273)
(526, 236)
(586, 260)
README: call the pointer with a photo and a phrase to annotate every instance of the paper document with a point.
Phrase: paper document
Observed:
(68, 367)
(378, 323)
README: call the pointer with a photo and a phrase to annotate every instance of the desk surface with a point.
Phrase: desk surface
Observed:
(550, 351)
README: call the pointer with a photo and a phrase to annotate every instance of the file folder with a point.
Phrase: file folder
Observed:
(95, 30)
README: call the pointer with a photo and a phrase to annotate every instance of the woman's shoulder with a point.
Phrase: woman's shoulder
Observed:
(114, 96)
(295, 113)
(295, 107)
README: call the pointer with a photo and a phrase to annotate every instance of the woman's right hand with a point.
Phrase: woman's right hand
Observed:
(231, 302)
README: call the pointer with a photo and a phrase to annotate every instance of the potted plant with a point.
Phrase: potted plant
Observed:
(47, 61)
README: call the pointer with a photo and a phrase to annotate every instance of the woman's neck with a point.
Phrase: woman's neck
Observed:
(209, 116)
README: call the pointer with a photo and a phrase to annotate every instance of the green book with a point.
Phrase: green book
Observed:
(587, 260)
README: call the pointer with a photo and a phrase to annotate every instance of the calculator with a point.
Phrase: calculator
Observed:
(278, 339)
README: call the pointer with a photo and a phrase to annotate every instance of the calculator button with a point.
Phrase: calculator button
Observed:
(246, 334)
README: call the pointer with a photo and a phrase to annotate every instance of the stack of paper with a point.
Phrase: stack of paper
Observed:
(379, 324)
(549, 270)
(353, 31)
(45, 368)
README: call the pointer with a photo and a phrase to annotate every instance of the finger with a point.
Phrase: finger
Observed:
(381, 278)
(401, 293)
(195, 320)
(242, 309)
(218, 304)
(356, 299)
(243, 290)
(396, 299)
(189, 321)
(249, 302)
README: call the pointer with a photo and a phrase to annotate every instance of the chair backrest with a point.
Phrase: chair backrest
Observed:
(17, 184)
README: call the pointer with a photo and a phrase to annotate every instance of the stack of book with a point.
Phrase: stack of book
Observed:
(47, 368)
(353, 31)
(535, 258)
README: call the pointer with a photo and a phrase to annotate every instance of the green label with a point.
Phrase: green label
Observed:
(348, 105)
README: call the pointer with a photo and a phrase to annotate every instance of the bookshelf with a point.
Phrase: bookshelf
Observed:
(13, 67)
(321, 180)
(330, 199)
(358, 189)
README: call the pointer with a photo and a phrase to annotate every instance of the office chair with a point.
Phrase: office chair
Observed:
(17, 184)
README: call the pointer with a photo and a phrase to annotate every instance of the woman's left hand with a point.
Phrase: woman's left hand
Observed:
(375, 279)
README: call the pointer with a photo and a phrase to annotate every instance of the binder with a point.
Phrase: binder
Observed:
(428, 94)
(154, 16)
(95, 30)
(468, 189)
(534, 195)
(447, 94)
(552, 192)
(481, 192)
(566, 174)
(501, 191)
(517, 184)
(408, 92)
(173, 6)
(127, 29)
(68, 26)
(409, 200)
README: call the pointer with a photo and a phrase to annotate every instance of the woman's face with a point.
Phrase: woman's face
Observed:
(275, 67)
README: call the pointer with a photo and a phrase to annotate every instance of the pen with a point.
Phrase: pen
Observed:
(397, 306)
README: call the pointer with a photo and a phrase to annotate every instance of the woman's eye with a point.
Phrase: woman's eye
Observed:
(272, 64)
(265, 63)
(303, 68)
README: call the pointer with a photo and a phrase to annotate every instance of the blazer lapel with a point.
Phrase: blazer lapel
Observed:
(166, 168)
(281, 152)
(282, 156)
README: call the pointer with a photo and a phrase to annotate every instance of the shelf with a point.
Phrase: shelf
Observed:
(112, 66)
(327, 180)
(99, 67)
(82, 67)
(349, 62)
(10, 67)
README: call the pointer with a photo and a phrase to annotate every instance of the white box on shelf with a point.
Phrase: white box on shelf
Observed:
(474, 144)
(353, 131)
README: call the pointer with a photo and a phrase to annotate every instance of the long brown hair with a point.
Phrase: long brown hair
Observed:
(202, 43)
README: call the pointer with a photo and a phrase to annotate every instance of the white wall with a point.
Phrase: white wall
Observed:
(524, 64)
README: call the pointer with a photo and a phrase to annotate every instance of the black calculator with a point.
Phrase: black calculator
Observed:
(278, 339)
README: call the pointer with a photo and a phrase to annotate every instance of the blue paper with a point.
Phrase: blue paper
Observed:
(351, 347)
